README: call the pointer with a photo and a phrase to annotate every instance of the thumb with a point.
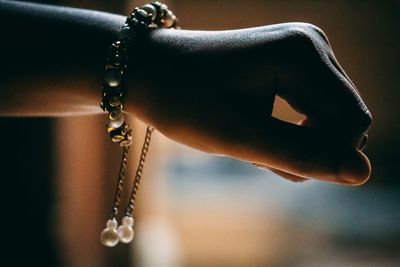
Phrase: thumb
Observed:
(304, 152)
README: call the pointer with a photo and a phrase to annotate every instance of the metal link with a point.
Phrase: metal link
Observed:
(139, 171)
(120, 182)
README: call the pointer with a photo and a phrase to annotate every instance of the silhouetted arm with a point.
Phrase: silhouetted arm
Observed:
(211, 90)
(52, 58)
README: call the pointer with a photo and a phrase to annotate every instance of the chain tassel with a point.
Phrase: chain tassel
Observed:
(152, 15)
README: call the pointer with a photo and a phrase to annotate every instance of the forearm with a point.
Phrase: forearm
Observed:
(52, 58)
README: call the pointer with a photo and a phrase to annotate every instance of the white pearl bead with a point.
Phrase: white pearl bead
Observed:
(112, 224)
(109, 237)
(125, 233)
(128, 221)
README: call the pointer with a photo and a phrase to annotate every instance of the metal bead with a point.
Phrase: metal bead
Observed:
(125, 32)
(141, 14)
(113, 77)
(127, 141)
(115, 59)
(119, 134)
(115, 48)
(126, 130)
(169, 19)
(163, 10)
(114, 67)
(114, 91)
(126, 36)
(110, 129)
(114, 101)
(164, 7)
(115, 114)
(115, 123)
(151, 10)
(133, 23)
(116, 138)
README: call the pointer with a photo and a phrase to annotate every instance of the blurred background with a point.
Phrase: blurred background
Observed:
(198, 210)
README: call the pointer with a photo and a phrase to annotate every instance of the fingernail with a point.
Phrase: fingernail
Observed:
(355, 169)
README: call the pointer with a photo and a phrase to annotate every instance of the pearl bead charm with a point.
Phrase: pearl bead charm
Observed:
(109, 236)
(125, 231)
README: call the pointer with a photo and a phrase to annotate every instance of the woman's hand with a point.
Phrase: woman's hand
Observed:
(214, 91)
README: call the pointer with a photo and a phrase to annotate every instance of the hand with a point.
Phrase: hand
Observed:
(214, 91)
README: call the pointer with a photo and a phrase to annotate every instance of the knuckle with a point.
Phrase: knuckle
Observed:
(316, 31)
(365, 120)
(359, 117)
(358, 122)
(309, 33)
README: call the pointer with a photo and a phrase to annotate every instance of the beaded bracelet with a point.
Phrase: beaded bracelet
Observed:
(154, 15)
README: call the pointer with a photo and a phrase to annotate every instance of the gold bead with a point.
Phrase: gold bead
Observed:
(109, 128)
(126, 142)
(117, 138)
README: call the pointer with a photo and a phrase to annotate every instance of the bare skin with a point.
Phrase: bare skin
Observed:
(212, 91)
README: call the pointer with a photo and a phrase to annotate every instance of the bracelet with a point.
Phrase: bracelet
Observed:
(154, 15)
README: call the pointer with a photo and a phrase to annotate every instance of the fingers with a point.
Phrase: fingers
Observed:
(318, 86)
(333, 104)
(302, 152)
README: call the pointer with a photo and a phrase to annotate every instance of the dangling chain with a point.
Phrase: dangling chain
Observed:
(139, 171)
(152, 15)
